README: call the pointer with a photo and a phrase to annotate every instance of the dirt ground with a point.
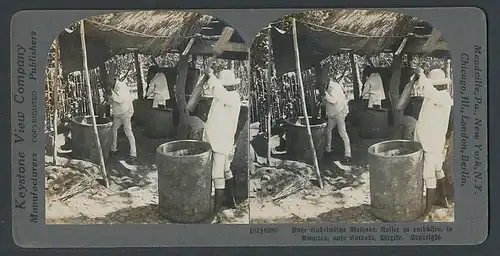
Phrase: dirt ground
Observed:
(288, 192)
(74, 194)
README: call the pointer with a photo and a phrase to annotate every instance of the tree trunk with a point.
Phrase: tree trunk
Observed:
(105, 87)
(138, 74)
(394, 94)
(355, 78)
(321, 73)
(180, 88)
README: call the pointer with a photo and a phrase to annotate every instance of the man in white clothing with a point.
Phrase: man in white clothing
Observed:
(122, 111)
(158, 88)
(373, 89)
(335, 102)
(219, 131)
(430, 130)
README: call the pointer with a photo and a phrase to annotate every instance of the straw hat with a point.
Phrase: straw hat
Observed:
(228, 78)
(438, 77)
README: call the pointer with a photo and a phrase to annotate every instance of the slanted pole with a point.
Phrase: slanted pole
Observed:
(303, 100)
(91, 105)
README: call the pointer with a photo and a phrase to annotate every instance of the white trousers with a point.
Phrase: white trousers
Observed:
(125, 120)
(433, 168)
(339, 122)
(220, 170)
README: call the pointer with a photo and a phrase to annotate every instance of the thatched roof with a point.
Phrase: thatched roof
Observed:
(366, 32)
(148, 32)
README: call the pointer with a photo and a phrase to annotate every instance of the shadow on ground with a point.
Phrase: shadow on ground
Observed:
(141, 175)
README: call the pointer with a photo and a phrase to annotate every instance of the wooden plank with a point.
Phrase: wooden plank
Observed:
(401, 46)
(91, 105)
(303, 99)
(188, 47)
(205, 47)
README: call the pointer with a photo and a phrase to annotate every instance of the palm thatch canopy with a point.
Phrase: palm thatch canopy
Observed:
(147, 32)
(365, 32)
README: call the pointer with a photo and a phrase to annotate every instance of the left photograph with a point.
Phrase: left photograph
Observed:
(146, 121)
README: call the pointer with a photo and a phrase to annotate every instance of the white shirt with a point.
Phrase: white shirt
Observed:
(335, 99)
(374, 90)
(121, 99)
(222, 118)
(434, 117)
(158, 87)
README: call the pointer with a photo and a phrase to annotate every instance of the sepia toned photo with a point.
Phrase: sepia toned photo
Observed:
(146, 121)
(261, 127)
(351, 120)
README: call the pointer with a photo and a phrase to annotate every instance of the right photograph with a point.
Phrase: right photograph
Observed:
(351, 120)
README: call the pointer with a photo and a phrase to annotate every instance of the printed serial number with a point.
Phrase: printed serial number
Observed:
(271, 230)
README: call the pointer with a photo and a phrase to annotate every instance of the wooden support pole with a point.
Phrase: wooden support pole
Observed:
(138, 74)
(143, 79)
(91, 105)
(394, 94)
(55, 95)
(269, 92)
(355, 77)
(303, 99)
(321, 73)
(180, 89)
(105, 86)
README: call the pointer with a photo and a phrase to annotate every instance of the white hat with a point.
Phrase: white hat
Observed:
(228, 78)
(438, 77)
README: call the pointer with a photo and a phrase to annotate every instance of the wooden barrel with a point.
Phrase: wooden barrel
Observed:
(141, 108)
(396, 180)
(185, 180)
(84, 144)
(297, 139)
(159, 123)
(374, 123)
(355, 109)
